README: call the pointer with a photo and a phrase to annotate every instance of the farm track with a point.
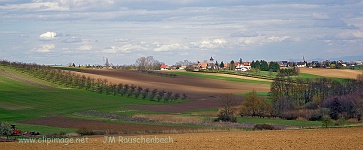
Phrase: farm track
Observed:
(338, 138)
(204, 93)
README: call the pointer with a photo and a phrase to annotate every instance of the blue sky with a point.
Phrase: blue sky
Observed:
(85, 31)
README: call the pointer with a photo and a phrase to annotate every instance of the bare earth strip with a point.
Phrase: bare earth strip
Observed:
(339, 138)
(335, 73)
(65, 122)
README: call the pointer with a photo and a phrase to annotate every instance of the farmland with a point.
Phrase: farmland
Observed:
(34, 104)
(334, 73)
(340, 138)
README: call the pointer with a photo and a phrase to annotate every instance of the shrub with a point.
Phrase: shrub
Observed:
(226, 118)
(289, 115)
(326, 121)
(84, 131)
(264, 127)
(5, 129)
(317, 115)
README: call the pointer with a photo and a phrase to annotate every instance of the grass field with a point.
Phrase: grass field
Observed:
(301, 123)
(202, 75)
(21, 101)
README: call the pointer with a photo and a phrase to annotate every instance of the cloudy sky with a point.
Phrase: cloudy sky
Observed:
(85, 31)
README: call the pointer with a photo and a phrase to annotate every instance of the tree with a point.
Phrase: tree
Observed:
(160, 95)
(145, 93)
(253, 106)
(5, 129)
(326, 121)
(148, 63)
(153, 94)
(168, 96)
(138, 92)
(221, 65)
(264, 66)
(232, 66)
(274, 66)
(226, 112)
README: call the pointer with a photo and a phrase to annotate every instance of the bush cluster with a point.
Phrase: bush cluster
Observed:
(264, 127)
(161, 74)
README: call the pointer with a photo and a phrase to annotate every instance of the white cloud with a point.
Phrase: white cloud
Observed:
(212, 44)
(72, 40)
(320, 16)
(44, 48)
(170, 47)
(277, 38)
(121, 40)
(118, 49)
(85, 47)
(48, 36)
(244, 34)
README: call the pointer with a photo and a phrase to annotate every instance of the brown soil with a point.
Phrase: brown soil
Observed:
(339, 138)
(204, 93)
(182, 84)
(65, 122)
(335, 73)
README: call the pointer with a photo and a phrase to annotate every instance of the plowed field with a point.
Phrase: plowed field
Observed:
(335, 73)
(182, 84)
(341, 138)
(204, 93)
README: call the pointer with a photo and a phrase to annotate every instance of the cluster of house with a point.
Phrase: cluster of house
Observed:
(213, 65)
(245, 66)
(210, 65)
(320, 64)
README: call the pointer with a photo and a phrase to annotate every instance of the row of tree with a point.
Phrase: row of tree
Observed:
(264, 66)
(99, 85)
(162, 74)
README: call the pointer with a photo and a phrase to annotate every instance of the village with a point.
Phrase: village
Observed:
(243, 66)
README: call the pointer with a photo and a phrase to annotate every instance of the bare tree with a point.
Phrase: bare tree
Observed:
(148, 63)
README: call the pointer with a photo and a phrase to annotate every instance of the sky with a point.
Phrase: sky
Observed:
(87, 31)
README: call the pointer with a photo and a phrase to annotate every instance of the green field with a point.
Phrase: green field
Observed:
(20, 101)
(202, 75)
(301, 123)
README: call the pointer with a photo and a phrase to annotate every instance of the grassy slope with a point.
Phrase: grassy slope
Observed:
(20, 101)
(39, 102)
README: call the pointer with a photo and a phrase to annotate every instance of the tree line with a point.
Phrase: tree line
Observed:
(162, 74)
(289, 95)
(264, 66)
(70, 79)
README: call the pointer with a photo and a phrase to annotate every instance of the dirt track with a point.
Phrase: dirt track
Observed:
(339, 138)
(335, 73)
